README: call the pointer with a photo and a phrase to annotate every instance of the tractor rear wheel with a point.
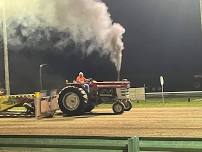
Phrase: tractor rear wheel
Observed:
(90, 107)
(128, 105)
(118, 108)
(72, 100)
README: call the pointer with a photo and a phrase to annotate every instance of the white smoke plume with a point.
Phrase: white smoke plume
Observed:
(88, 23)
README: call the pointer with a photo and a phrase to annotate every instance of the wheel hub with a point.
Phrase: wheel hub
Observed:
(118, 107)
(71, 101)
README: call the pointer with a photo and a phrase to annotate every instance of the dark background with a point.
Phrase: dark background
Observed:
(163, 37)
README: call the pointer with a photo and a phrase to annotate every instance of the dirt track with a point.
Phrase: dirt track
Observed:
(140, 122)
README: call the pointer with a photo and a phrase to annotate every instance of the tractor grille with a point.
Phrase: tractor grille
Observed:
(122, 93)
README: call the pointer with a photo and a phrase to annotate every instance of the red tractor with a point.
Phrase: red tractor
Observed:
(74, 99)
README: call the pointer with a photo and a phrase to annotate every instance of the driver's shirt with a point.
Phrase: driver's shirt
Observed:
(80, 79)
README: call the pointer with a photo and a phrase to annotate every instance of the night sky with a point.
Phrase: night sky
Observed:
(163, 37)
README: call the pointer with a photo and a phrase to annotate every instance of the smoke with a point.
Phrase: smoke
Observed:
(86, 22)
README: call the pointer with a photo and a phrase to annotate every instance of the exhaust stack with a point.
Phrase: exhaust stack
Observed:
(118, 75)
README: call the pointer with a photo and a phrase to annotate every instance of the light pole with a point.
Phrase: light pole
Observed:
(162, 83)
(200, 1)
(40, 73)
(6, 66)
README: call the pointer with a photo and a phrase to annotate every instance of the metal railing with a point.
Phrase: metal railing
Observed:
(62, 143)
(174, 94)
(135, 93)
(138, 144)
(30, 143)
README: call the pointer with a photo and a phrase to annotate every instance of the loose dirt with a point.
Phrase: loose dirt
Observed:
(175, 122)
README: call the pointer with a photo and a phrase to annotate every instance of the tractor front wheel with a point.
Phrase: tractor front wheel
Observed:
(118, 108)
(128, 105)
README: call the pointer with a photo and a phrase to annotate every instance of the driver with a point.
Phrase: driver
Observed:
(82, 80)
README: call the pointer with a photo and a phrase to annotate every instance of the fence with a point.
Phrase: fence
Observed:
(140, 94)
(142, 144)
(30, 143)
(174, 94)
(62, 143)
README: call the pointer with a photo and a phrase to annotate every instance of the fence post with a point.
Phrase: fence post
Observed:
(133, 144)
(37, 105)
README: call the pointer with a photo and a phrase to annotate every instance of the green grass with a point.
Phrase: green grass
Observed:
(169, 102)
(152, 103)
